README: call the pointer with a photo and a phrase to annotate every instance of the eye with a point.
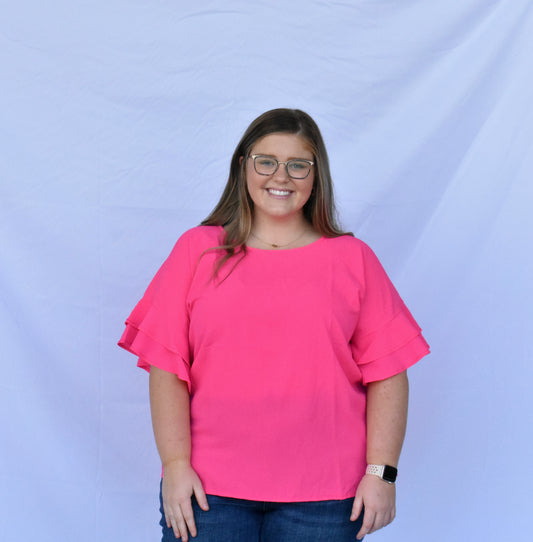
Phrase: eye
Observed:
(266, 162)
(299, 165)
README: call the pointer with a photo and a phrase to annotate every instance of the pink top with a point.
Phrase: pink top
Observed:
(276, 357)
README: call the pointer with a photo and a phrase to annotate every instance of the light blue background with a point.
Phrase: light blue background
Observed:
(117, 124)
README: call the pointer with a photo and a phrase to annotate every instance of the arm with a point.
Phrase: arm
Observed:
(386, 421)
(169, 402)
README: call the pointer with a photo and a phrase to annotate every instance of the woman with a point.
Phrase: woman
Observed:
(277, 349)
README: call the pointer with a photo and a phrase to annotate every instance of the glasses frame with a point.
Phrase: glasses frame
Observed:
(286, 164)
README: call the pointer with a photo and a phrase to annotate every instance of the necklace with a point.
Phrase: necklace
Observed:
(275, 245)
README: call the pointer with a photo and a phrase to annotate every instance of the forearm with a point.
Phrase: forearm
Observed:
(386, 414)
(169, 403)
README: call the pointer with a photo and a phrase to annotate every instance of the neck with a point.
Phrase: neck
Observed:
(280, 231)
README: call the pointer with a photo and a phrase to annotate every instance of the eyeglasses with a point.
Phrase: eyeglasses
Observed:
(267, 165)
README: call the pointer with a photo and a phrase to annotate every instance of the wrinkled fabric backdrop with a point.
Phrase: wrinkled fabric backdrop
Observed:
(118, 121)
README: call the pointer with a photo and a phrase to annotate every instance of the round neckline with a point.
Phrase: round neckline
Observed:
(286, 249)
(255, 249)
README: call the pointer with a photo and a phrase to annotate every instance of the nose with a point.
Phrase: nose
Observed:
(282, 173)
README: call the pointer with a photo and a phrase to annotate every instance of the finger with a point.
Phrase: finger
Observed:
(170, 517)
(356, 508)
(178, 523)
(182, 529)
(379, 522)
(201, 497)
(188, 517)
(368, 522)
(177, 532)
(174, 527)
(384, 519)
(167, 516)
(178, 526)
(387, 518)
(390, 517)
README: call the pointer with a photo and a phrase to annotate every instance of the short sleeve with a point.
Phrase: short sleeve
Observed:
(157, 330)
(387, 340)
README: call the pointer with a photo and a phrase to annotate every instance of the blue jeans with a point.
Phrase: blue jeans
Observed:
(239, 520)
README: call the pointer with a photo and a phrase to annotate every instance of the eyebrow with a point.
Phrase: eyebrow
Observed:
(288, 159)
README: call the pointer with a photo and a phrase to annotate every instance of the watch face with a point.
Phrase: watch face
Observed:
(389, 474)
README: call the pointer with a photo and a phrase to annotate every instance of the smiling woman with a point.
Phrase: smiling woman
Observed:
(236, 208)
(277, 349)
(278, 197)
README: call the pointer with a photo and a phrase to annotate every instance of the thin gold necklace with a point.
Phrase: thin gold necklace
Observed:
(275, 245)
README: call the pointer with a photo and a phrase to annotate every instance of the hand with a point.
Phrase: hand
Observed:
(379, 499)
(180, 482)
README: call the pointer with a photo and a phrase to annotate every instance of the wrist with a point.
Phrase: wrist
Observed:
(176, 462)
(387, 473)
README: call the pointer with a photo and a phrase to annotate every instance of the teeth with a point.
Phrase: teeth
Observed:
(279, 192)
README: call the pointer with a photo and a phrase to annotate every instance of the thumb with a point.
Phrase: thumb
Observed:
(200, 495)
(356, 508)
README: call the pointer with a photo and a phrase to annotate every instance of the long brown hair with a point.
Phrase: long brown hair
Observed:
(234, 210)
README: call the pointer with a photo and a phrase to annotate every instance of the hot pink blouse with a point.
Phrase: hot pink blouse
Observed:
(276, 356)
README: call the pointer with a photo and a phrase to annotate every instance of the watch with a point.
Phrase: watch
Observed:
(385, 472)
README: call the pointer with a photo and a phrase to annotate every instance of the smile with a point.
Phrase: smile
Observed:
(276, 192)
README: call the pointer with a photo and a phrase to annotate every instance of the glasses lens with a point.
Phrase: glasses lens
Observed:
(265, 165)
(298, 169)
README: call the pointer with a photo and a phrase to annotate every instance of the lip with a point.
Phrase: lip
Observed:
(279, 193)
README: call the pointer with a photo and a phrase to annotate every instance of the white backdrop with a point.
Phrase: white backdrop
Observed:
(118, 120)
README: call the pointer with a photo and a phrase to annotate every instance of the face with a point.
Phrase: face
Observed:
(279, 196)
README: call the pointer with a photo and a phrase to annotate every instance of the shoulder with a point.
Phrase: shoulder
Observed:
(353, 254)
(348, 245)
(205, 236)
(193, 242)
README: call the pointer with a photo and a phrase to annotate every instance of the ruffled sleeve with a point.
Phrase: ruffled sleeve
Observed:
(157, 330)
(387, 339)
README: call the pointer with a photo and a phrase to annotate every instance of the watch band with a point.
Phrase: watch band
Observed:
(385, 472)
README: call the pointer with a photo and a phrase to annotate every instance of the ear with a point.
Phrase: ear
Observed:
(240, 160)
